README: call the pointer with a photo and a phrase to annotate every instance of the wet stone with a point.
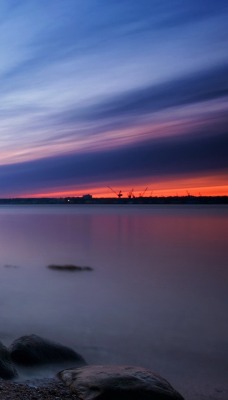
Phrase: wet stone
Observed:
(32, 350)
(118, 382)
(7, 369)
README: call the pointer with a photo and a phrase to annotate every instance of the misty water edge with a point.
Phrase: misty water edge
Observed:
(156, 297)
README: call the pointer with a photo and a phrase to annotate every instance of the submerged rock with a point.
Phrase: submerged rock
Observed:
(69, 267)
(33, 350)
(7, 369)
(118, 382)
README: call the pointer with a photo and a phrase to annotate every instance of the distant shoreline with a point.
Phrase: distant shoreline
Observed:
(89, 200)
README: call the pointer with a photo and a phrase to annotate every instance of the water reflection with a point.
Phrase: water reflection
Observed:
(157, 296)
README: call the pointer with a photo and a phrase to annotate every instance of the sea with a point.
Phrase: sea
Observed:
(157, 295)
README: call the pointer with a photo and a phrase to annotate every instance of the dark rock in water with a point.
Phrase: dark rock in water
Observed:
(69, 267)
(117, 382)
(33, 350)
(7, 369)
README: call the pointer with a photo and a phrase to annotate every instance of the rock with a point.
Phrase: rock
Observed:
(7, 369)
(117, 382)
(33, 350)
(69, 267)
(49, 390)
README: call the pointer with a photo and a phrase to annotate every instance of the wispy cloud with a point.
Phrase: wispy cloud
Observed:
(92, 79)
(200, 86)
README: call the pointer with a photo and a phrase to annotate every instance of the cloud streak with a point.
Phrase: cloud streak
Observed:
(191, 155)
(197, 87)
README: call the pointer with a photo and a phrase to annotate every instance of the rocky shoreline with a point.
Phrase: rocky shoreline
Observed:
(50, 389)
(53, 389)
(79, 381)
(27, 354)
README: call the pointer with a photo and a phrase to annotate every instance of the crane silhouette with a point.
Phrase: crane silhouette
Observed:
(130, 194)
(142, 194)
(119, 194)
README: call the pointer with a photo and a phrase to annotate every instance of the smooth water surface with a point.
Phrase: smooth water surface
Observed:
(157, 296)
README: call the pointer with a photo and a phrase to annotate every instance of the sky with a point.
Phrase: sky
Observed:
(121, 93)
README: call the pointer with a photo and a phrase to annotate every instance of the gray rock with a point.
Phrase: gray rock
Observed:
(33, 350)
(108, 382)
(7, 369)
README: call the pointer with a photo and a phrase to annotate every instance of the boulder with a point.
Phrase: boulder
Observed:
(32, 350)
(118, 382)
(7, 369)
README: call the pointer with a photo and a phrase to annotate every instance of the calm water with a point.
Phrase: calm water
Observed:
(157, 296)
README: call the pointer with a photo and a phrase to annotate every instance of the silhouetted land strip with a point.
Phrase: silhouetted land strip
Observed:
(123, 201)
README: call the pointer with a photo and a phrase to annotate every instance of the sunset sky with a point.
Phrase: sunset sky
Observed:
(120, 93)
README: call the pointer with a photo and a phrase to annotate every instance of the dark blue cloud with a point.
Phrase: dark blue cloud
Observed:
(204, 85)
(188, 12)
(192, 155)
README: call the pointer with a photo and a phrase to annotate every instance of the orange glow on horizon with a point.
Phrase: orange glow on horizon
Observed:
(207, 186)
